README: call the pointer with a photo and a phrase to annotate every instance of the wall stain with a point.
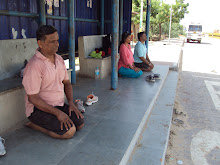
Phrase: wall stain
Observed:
(24, 46)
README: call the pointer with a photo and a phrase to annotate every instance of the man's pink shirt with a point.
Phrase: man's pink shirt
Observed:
(126, 56)
(44, 78)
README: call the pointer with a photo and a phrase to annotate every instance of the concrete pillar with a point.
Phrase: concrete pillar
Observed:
(121, 20)
(148, 22)
(42, 13)
(114, 54)
(102, 17)
(71, 28)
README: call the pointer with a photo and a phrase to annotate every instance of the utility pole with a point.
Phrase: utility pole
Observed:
(170, 22)
(141, 15)
(148, 23)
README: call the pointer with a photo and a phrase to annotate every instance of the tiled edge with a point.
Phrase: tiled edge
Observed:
(168, 130)
(152, 139)
(132, 144)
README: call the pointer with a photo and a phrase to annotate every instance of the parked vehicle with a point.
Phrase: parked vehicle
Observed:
(194, 33)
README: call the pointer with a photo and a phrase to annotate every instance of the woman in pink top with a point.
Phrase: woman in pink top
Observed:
(126, 67)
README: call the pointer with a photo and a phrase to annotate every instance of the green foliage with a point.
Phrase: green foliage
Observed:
(136, 7)
(176, 29)
(179, 10)
(163, 14)
(160, 14)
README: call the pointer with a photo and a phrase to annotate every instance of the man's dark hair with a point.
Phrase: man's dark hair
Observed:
(44, 30)
(140, 35)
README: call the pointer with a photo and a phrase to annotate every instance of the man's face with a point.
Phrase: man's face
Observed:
(50, 44)
(143, 37)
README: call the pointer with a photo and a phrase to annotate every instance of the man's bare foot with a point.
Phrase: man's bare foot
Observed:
(28, 124)
(36, 127)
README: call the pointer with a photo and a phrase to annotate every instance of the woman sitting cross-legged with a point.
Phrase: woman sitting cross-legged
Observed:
(126, 67)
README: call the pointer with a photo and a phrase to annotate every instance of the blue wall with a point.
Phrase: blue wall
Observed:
(30, 24)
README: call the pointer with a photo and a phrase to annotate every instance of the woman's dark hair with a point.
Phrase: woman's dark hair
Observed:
(140, 35)
(124, 36)
(44, 30)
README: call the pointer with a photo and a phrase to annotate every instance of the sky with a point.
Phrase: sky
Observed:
(206, 12)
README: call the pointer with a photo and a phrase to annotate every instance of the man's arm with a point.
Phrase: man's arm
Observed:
(151, 64)
(147, 58)
(43, 106)
(68, 91)
(69, 95)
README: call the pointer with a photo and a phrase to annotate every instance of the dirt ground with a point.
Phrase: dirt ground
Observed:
(175, 149)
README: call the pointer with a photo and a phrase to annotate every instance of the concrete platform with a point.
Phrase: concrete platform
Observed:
(110, 126)
(152, 143)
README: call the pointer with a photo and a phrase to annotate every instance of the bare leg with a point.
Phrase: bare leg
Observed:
(69, 134)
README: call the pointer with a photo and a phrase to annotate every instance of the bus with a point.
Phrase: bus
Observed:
(194, 33)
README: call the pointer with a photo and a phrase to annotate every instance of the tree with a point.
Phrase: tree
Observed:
(176, 29)
(136, 7)
(162, 16)
(160, 13)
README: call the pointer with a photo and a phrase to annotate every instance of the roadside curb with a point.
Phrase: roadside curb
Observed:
(153, 141)
(132, 145)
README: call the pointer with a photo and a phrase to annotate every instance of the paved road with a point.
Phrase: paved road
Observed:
(197, 141)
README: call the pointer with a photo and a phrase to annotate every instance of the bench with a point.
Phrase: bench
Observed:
(12, 104)
(87, 44)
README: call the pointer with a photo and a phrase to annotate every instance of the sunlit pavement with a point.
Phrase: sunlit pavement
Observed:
(198, 140)
(202, 57)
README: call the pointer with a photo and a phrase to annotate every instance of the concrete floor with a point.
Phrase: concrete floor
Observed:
(151, 146)
(110, 125)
